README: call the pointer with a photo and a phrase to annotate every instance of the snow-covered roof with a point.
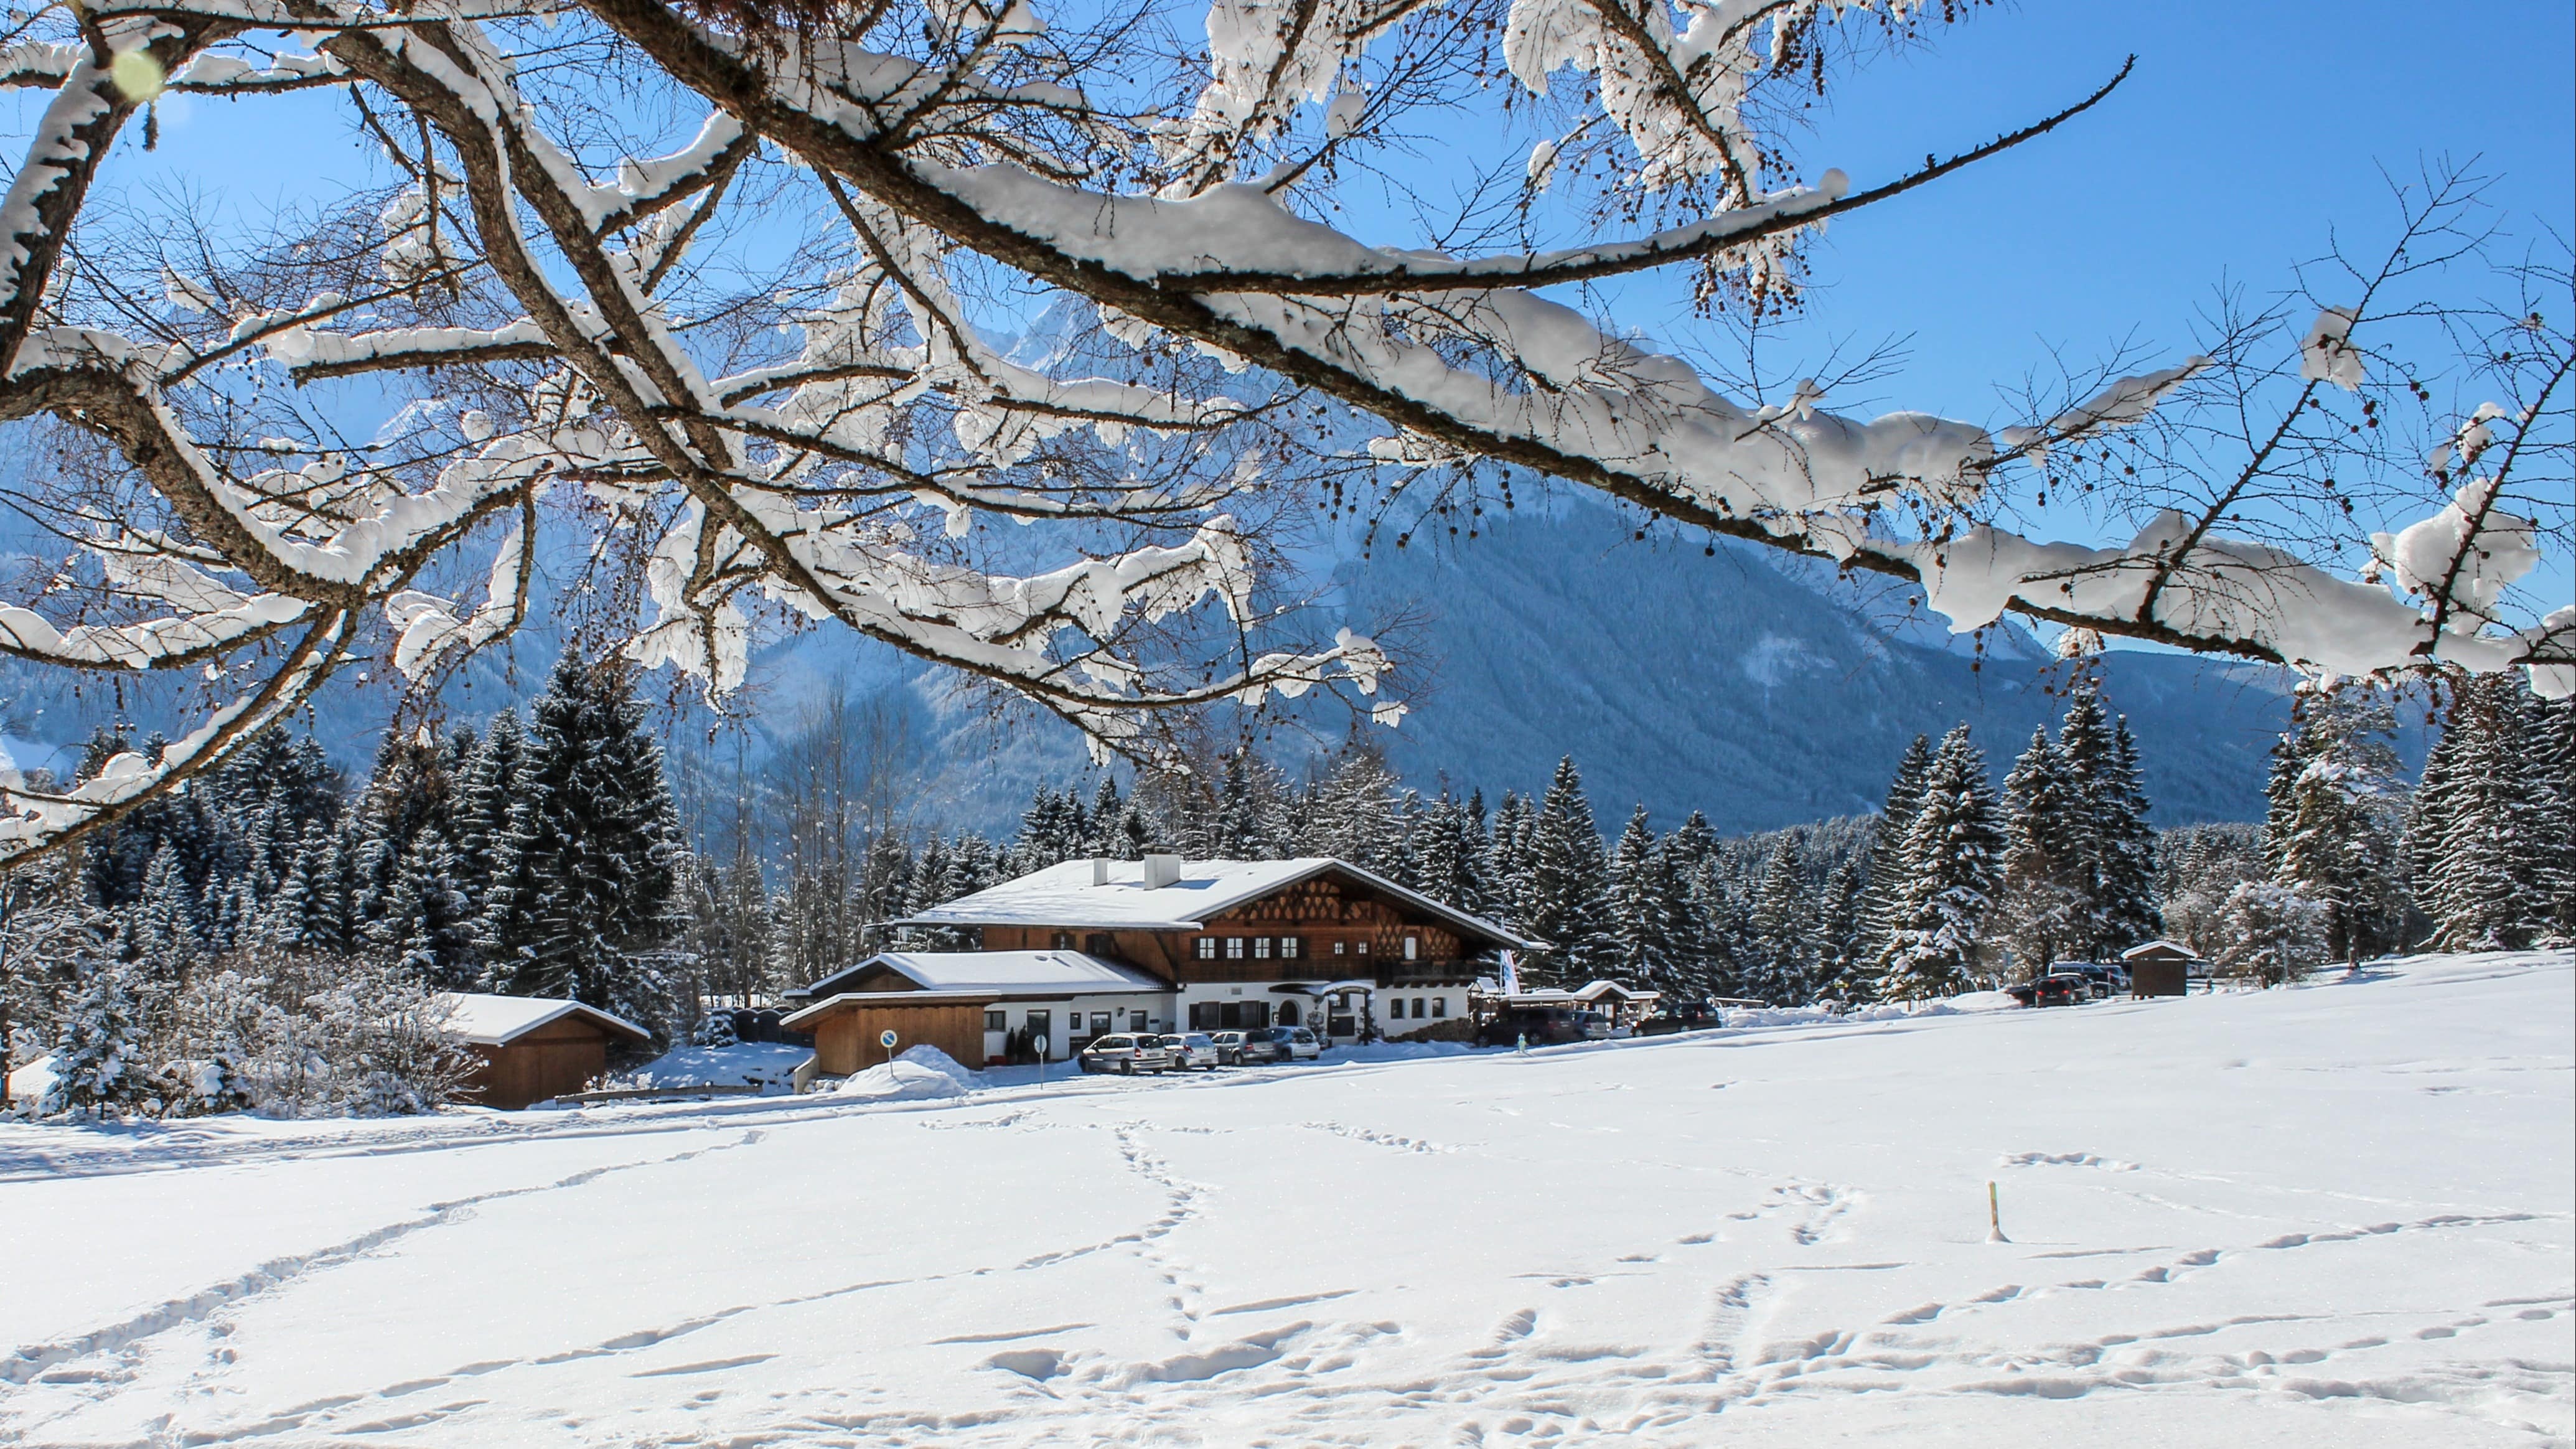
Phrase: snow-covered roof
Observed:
(2160, 948)
(1071, 895)
(1016, 973)
(1595, 990)
(33, 1080)
(486, 1020)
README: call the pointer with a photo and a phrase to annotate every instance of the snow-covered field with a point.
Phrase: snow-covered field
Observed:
(2339, 1214)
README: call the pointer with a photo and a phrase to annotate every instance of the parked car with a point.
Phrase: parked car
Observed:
(1193, 1050)
(1681, 1016)
(1126, 1054)
(1281, 1044)
(2106, 981)
(1229, 1047)
(2051, 991)
(1544, 1026)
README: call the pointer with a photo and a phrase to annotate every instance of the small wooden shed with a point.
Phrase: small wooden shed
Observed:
(847, 1027)
(2158, 968)
(534, 1047)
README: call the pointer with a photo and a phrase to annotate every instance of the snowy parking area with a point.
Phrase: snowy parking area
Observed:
(2339, 1213)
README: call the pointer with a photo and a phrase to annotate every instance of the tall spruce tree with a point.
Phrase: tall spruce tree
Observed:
(1953, 866)
(1780, 967)
(2046, 909)
(2554, 761)
(2489, 889)
(1642, 897)
(1885, 872)
(2331, 831)
(1842, 962)
(2129, 909)
(585, 877)
(1568, 883)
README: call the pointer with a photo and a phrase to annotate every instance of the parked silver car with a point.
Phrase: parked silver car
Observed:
(1281, 1044)
(1193, 1050)
(1229, 1047)
(1126, 1054)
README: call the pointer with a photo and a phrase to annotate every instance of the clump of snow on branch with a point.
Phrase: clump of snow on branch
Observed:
(2327, 353)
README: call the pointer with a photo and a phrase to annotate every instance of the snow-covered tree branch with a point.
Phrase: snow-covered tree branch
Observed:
(815, 298)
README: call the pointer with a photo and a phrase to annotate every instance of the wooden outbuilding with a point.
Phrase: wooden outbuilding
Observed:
(531, 1048)
(2160, 968)
(848, 1027)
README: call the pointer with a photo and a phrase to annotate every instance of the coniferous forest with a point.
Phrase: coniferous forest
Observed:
(276, 935)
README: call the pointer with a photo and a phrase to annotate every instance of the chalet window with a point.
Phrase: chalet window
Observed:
(1042, 1023)
(1363, 948)
(1100, 1023)
(1234, 948)
(1337, 947)
(1290, 948)
(1411, 948)
(1207, 948)
(997, 1021)
(1261, 948)
(1063, 941)
(1440, 1006)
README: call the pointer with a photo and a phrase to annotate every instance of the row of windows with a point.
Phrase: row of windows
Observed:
(1395, 1007)
(1042, 1022)
(1286, 948)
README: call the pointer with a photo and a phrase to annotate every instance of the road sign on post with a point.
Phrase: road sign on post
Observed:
(886, 1039)
(1040, 1042)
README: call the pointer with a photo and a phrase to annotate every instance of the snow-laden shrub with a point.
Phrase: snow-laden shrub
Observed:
(285, 1033)
(2270, 933)
(99, 1055)
(715, 1029)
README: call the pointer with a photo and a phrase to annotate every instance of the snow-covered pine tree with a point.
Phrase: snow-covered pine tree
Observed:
(166, 924)
(98, 1052)
(485, 786)
(1782, 962)
(2428, 814)
(1953, 864)
(1245, 822)
(1515, 825)
(1568, 880)
(1702, 965)
(1885, 873)
(1449, 856)
(2129, 909)
(2554, 771)
(2332, 829)
(1842, 972)
(411, 788)
(1643, 896)
(2045, 912)
(2488, 891)
(427, 925)
(885, 888)
(584, 880)
(1352, 811)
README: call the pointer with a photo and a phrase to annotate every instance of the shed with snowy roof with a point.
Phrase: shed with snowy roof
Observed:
(530, 1048)
(977, 1006)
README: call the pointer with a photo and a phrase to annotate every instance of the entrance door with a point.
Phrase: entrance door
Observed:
(1342, 1012)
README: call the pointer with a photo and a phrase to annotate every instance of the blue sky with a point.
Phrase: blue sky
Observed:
(2249, 132)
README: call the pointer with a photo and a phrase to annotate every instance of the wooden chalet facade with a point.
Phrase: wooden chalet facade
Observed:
(1226, 944)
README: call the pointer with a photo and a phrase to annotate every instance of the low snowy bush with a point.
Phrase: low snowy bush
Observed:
(715, 1029)
(287, 1034)
(2270, 934)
